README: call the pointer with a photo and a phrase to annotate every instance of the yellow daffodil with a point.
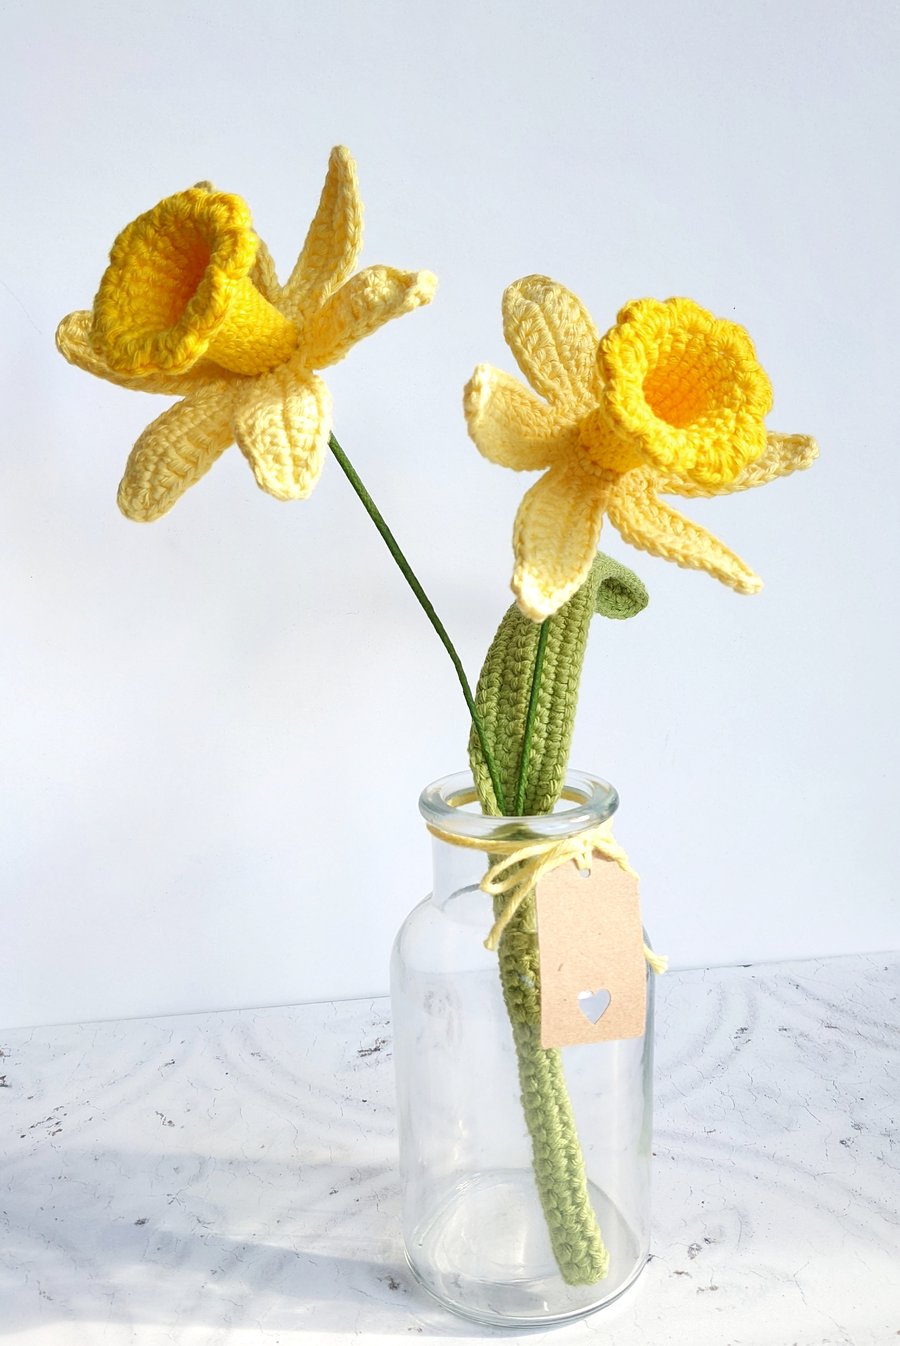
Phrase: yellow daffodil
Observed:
(190, 305)
(670, 401)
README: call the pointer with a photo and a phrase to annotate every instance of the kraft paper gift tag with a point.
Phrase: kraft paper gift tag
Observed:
(591, 947)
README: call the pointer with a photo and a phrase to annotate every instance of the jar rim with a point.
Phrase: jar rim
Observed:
(442, 804)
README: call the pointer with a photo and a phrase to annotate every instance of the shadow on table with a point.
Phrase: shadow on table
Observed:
(185, 1239)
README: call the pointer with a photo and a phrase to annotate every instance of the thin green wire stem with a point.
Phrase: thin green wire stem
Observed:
(531, 716)
(425, 603)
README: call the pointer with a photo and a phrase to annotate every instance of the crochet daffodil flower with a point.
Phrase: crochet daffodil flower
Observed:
(670, 401)
(191, 305)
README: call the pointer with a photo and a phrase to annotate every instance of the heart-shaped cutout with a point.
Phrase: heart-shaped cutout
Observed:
(593, 1004)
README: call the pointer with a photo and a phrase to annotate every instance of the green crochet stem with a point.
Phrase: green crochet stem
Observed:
(427, 606)
(536, 676)
(527, 696)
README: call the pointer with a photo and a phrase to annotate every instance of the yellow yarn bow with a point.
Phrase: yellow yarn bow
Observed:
(518, 873)
(521, 867)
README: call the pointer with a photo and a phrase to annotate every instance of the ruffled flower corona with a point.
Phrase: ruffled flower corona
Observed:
(190, 305)
(670, 401)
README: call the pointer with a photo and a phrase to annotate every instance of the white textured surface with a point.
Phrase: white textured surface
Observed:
(230, 1178)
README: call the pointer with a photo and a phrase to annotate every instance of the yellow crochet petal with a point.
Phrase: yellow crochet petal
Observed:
(175, 451)
(368, 300)
(72, 340)
(282, 423)
(784, 454)
(510, 425)
(647, 523)
(555, 538)
(554, 341)
(264, 275)
(332, 243)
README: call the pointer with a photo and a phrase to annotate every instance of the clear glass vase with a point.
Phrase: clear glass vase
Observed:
(525, 1173)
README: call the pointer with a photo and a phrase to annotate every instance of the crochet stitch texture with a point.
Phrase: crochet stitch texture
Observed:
(191, 304)
(670, 401)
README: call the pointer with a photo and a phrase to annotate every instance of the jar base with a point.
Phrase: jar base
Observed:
(484, 1253)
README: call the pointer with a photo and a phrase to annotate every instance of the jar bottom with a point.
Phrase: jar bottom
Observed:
(484, 1253)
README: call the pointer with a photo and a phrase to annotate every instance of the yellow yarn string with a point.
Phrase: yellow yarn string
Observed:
(521, 866)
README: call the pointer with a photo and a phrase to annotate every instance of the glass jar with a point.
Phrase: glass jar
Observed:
(525, 1173)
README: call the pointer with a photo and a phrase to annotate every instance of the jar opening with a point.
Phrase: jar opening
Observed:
(586, 801)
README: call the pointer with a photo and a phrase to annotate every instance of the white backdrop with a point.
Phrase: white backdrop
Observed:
(216, 728)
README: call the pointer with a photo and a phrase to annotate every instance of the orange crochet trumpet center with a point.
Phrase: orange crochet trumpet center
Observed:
(180, 262)
(684, 386)
(177, 289)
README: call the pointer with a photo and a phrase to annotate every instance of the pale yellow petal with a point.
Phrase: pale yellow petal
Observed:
(647, 523)
(264, 275)
(368, 300)
(551, 334)
(555, 538)
(784, 454)
(175, 451)
(282, 423)
(332, 243)
(73, 341)
(510, 425)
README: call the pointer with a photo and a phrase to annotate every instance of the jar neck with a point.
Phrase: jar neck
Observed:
(467, 842)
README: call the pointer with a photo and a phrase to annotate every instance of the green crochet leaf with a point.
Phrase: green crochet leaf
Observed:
(504, 687)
